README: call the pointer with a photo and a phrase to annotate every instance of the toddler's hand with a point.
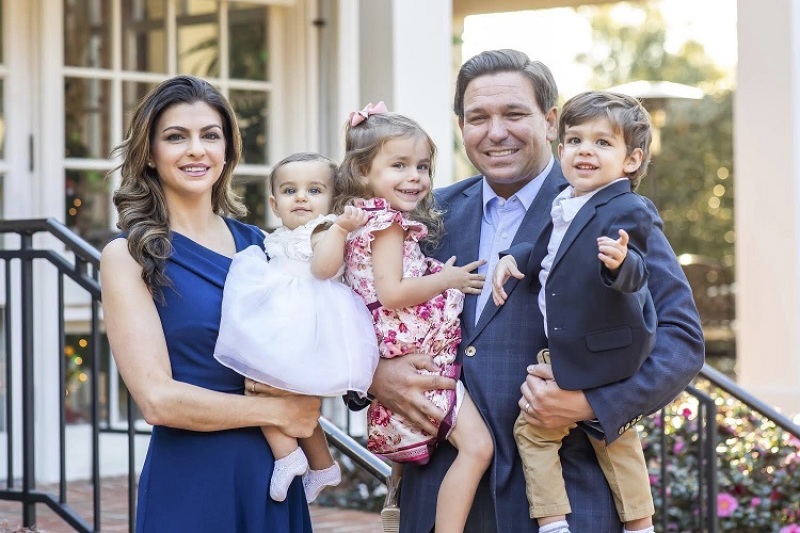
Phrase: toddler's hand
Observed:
(461, 278)
(352, 218)
(613, 252)
(506, 267)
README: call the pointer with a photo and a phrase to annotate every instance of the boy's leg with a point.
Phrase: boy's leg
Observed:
(323, 470)
(544, 480)
(626, 471)
(475, 448)
(290, 462)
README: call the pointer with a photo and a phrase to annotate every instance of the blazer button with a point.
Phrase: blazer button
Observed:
(621, 430)
(470, 351)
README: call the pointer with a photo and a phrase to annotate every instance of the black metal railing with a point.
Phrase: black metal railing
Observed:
(73, 260)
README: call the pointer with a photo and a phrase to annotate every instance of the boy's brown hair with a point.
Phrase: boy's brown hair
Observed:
(625, 113)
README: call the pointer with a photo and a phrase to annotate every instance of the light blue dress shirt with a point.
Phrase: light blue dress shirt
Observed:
(501, 220)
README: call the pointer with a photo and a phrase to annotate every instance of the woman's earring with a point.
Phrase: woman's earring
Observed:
(151, 164)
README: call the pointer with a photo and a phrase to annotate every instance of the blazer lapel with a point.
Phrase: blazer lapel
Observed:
(585, 215)
(530, 230)
(465, 227)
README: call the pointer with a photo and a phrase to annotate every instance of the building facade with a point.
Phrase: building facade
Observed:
(72, 70)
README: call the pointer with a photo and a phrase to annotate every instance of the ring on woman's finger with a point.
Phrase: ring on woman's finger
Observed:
(253, 388)
(527, 406)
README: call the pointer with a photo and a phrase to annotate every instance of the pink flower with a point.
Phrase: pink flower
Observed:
(381, 417)
(653, 479)
(791, 528)
(686, 412)
(755, 502)
(726, 504)
(679, 446)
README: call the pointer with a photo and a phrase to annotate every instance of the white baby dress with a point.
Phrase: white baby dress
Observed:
(282, 326)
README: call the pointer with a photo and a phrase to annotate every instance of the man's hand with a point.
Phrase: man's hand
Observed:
(399, 387)
(546, 405)
(506, 267)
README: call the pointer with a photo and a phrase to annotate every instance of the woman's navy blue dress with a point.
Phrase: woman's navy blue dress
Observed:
(214, 481)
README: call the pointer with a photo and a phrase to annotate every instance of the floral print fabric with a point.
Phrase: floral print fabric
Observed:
(432, 327)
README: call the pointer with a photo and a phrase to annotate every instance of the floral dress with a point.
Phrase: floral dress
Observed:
(431, 327)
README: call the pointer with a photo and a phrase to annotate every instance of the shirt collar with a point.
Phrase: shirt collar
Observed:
(525, 195)
(569, 192)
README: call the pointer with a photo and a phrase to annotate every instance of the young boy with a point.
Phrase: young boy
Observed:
(598, 313)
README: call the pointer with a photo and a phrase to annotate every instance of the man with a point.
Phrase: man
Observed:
(506, 109)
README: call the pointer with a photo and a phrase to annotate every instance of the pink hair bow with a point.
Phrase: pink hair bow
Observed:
(357, 117)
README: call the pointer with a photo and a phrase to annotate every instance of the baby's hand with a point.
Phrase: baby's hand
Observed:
(352, 218)
(506, 267)
(461, 277)
(612, 253)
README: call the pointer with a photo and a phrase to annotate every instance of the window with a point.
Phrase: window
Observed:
(115, 52)
(109, 66)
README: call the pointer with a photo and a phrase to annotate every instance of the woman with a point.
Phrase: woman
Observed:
(208, 466)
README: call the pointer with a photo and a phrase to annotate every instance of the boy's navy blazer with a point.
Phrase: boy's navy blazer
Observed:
(494, 356)
(600, 327)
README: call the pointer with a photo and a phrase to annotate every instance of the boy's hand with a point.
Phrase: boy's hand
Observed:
(352, 218)
(461, 277)
(506, 267)
(612, 253)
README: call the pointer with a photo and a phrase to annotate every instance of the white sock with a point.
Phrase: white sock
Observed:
(286, 469)
(316, 480)
(555, 527)
(645, 530)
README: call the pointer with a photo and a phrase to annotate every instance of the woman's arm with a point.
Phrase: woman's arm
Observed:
(395, 292)
(144, 364)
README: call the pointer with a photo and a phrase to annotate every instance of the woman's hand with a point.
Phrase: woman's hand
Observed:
(299, 414)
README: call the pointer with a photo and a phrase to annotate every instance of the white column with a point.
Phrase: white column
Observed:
(767, 206)
(422, 33)
(48, 201)
(405, 61)
(348, 93)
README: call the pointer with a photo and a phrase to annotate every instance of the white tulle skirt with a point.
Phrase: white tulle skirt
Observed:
(282, 326)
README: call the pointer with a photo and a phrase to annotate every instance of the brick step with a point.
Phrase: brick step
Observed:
(114, 509)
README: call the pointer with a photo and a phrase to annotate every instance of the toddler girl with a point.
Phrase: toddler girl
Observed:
(415, 300)
(290, 322)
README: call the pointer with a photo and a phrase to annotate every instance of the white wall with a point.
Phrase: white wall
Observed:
(767, 203)
(405, 60)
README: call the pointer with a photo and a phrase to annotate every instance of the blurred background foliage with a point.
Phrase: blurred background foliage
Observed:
(691, 178)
